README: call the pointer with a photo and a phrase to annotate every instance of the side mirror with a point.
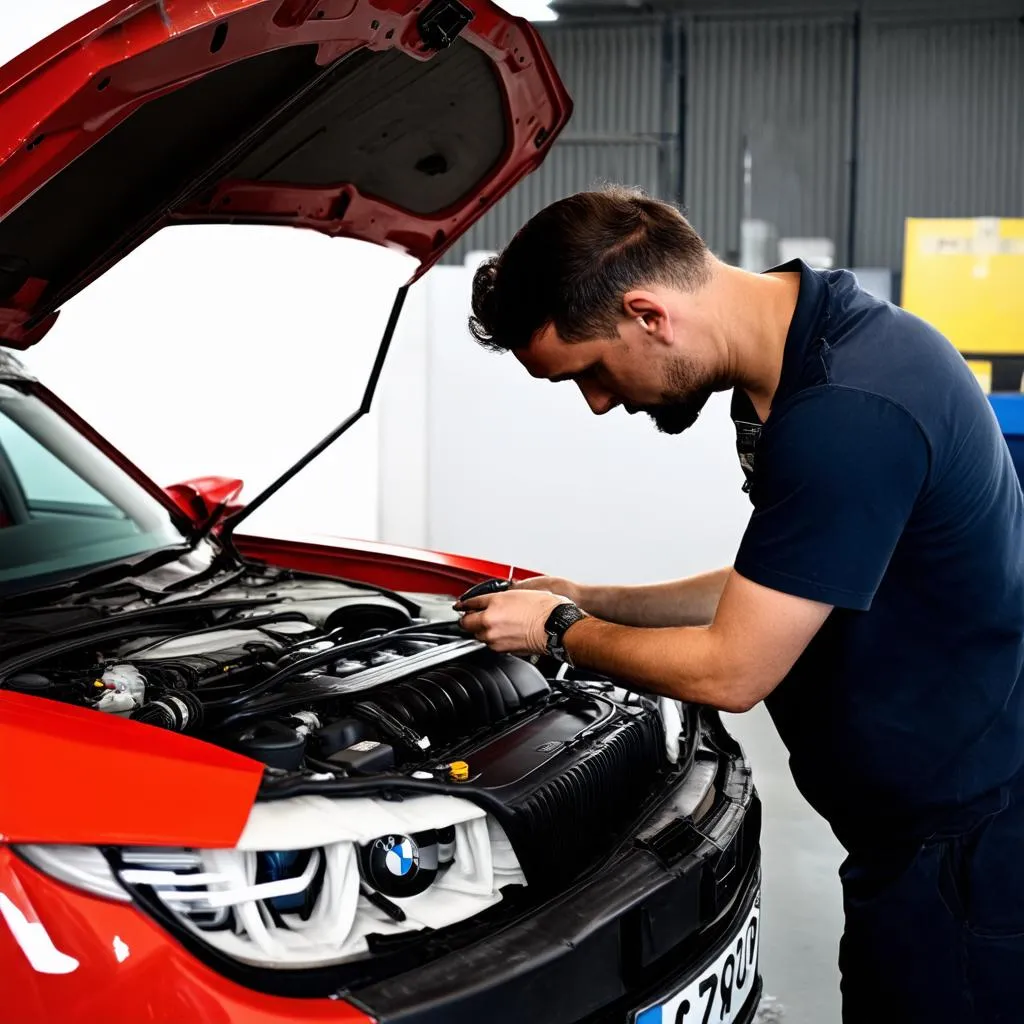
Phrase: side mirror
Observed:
(206, 499)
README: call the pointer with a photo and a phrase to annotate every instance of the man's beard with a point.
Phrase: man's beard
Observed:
(686, 393)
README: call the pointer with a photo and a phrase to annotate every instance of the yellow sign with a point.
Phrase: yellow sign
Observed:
(966, 277)
(982, 369)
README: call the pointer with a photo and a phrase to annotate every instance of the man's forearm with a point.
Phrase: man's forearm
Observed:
(731, 664)
(686, 663)
(687, 602)
(734, 662)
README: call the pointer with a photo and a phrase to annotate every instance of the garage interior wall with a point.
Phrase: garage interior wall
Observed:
(941, 127)
(865, 112)
(783, 87)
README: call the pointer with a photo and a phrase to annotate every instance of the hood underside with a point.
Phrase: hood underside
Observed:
(398, 124)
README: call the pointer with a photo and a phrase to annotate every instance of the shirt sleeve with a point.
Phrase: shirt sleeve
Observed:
(836, 478)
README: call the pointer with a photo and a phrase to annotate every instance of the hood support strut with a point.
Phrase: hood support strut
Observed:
(232, 521)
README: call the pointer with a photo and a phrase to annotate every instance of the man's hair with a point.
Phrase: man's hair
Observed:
(572, 263)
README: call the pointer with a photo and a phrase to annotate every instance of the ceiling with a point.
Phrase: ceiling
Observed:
(572, 9)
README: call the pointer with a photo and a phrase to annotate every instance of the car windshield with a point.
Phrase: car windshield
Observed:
(64, 506)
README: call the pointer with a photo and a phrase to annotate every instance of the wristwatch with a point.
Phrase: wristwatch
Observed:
(564, 616)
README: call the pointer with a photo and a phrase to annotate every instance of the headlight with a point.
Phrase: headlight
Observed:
(312, 877)
(83, 867)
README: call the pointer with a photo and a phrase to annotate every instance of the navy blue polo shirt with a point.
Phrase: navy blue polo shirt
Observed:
(881, 485)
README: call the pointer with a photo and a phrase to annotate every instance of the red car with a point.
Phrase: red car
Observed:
(246, 780)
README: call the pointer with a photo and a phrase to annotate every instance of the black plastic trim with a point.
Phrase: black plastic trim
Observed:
(680, 969)
(442, 23)
(580, 960)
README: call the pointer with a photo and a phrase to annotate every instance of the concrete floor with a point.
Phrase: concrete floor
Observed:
(802, 912)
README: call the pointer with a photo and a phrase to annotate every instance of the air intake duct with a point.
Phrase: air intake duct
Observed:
(180, 711)
(589, 797)
(571, 776)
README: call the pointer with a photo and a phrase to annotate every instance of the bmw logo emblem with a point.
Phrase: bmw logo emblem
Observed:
(403, 857)
(397, 865)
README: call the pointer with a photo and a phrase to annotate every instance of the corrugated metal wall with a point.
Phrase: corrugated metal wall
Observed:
(624, 80)
(784, 85)
(941, 123)
(942, 128)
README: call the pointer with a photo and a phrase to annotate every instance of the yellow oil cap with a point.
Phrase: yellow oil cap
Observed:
(459, 771)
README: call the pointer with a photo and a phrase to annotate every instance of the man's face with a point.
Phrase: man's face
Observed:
(637, 370)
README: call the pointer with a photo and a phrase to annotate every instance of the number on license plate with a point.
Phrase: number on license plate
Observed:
(721, 990)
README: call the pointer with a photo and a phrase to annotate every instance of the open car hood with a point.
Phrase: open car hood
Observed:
(391, 121)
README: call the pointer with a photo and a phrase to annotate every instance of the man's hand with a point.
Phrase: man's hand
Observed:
(510, 623)
(552, 585)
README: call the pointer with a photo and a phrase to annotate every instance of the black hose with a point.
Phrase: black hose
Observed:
(211, 573)
(389, 725)
(323, 766)
(180, 711)
(126, 632)
(424, 626)
(304, 665)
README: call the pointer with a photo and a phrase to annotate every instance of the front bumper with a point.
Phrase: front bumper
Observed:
(630, 933)
(563, 968)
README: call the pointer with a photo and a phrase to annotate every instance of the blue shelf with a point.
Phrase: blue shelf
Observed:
(1009, 410)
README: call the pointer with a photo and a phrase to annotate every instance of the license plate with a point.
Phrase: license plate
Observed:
(718, 993)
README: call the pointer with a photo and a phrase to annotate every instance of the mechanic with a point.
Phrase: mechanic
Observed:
(876, 603)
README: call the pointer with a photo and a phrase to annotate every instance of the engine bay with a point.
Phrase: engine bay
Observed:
(468, 772)
(317, 677)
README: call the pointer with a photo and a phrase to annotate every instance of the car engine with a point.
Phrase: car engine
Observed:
(448, 773)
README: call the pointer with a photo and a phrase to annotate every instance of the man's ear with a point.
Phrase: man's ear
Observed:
(649, 312)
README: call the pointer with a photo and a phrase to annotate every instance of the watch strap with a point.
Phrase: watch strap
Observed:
(558, 622)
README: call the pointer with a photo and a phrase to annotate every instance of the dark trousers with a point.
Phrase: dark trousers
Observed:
(935, 931)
